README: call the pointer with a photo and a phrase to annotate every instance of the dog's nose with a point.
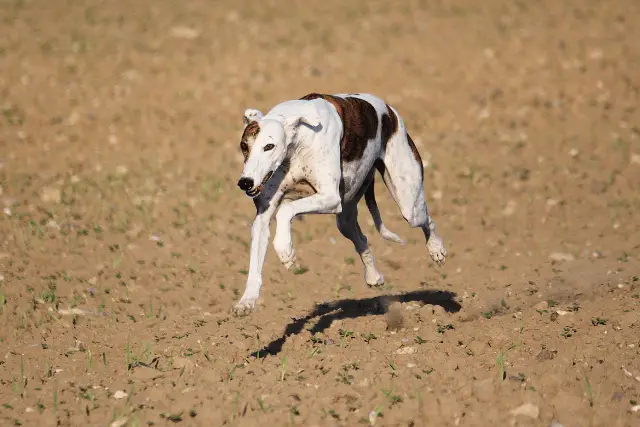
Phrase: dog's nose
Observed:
(245, 184)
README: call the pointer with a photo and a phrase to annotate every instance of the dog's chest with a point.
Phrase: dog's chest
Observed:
(299, 190)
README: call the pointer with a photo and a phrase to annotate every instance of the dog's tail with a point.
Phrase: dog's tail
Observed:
(370, 199)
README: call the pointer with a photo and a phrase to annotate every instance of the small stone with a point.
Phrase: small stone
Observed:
(119, 394)
(542, 305)
(635, 159)
(120, 422)
(617, 396)
(528, 410)
(555, 424)
(373, 415)
(510, 209)
(28, 410)
(561, 256)
(73, 119)
(50, 195)
(405, 350)
(574, 152)
(596, 255)
(546, 354)
(182, 32)
(635, 408)
(121, 170)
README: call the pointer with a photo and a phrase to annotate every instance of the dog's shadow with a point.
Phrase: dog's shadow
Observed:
(353, 308)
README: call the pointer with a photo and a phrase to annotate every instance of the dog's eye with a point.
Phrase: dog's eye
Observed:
(269, 147)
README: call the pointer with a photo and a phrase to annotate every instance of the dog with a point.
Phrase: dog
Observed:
(318, 155)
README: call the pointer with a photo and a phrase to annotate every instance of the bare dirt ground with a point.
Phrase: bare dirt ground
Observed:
(124, 240)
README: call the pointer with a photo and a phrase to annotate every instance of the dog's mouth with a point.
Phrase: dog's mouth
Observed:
(254, 192)
(266, 178)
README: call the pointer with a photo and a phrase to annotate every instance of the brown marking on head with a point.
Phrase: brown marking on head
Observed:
(248, 137)
(389, 125)
(359, 123)
(416, 154)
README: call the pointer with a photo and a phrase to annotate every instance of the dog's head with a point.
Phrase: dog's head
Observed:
(264, 144)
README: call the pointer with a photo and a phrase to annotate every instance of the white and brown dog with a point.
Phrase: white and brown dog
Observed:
(321, 153)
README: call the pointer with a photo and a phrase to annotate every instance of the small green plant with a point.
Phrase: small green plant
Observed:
(419, 340)
(300, 270)
(283, 368)
(55, 398)
(500, 362)
(443, 328)
(598, 321)
(587, 384)
(368, 337)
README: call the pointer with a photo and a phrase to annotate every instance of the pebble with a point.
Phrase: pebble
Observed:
(561, 256)
(528, 410)
(542, 305)
(555, 424)
(119, 394)
(120, 422)
(405, 350)
(181, 32)
(51, 195)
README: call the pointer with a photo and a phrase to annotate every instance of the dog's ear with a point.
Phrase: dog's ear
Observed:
(251, 115)
(308, 115)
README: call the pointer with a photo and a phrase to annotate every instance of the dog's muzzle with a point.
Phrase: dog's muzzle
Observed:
(246, 184)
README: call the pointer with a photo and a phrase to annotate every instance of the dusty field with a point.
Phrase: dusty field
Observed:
(124, 240)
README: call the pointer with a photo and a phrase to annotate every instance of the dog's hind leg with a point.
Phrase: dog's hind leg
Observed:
(370, 199)
(347, 222)
(402, 171)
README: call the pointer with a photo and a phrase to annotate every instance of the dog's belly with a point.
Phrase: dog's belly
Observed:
(354, 175)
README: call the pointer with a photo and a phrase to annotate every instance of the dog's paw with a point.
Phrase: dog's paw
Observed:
(286, 253)
(373, 278)
(436, 249)
(244, 307)
(288, 259)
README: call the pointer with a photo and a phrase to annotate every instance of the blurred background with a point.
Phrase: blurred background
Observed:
(123, 238)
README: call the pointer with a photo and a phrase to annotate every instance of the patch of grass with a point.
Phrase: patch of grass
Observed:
(443, 328)
(419, 340)
(350, 260)
(368, 337)
(568, 331)
(598, 321)
(300, 270)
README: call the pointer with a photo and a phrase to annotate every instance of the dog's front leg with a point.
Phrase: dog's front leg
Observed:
(328, 202)
(259, 243)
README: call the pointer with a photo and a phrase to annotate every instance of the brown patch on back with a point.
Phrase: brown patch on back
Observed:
(389, 126)
(416, 154)
(359, 123)
(250, 131)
